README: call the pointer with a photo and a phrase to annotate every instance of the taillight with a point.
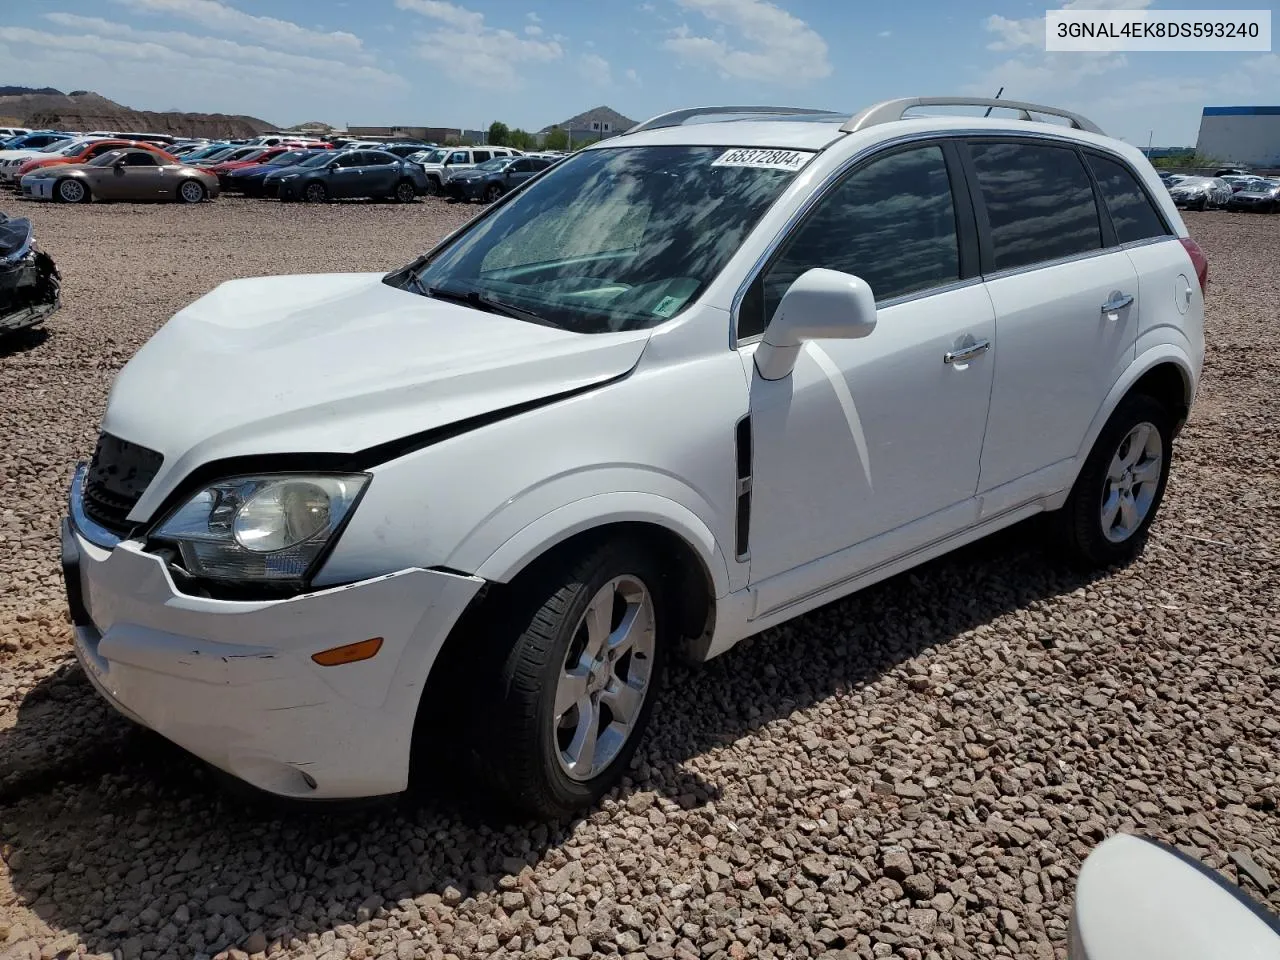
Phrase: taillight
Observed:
(1199, 261)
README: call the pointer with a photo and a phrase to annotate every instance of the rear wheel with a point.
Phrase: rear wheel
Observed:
(71, 191)
(405, 191)
(1115, 499)
(191, 191)
(576, 663)
(315, 192)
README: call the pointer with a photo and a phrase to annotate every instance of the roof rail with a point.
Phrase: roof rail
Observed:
(890, 110)
(677, 117)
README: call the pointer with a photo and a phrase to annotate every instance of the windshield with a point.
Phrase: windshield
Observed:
(56, 146)
(613, 239)
(435, 156)
(204, 152)
(497, 163)
(222, 153)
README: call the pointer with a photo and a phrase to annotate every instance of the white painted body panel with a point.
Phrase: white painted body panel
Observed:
(1137, 901)
(871, 457)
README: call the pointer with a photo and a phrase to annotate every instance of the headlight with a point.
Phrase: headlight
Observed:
(261, 528)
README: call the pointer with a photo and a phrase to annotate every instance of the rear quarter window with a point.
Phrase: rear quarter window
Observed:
(1133, 214)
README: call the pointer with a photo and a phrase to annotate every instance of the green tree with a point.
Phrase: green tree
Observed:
(522, 139)
(499, 134)
(556, 139)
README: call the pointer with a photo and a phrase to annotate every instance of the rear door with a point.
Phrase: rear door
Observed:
(1066, 305)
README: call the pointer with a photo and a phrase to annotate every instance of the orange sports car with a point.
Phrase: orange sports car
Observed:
(89, 151)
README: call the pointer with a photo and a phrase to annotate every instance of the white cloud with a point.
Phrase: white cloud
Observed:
(633, 76)
(885, 33)
(533, 17)
(533, 30)
(486, 56)
(217, 16)
(175, 48)
(772, 44)
(595, 70)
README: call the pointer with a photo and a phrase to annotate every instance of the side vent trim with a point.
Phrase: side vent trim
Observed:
(742, 522)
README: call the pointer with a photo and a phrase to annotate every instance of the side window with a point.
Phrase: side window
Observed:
(139, 160)
(378, 159)
(480, 156)
(353, 159)
(1132, 213)
(520, 166)
(891, 222)
(538, 163)
(458, 156)
(1039, 202)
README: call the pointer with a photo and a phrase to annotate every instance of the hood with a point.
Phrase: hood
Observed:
(62, 166)
(27, 154)
(335, 363)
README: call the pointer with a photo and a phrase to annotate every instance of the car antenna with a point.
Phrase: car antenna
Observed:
(996, 97)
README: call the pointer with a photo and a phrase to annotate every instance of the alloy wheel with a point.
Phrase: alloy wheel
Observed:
(605, 678)
(1131, 483)
(72, 191)
(191, 192)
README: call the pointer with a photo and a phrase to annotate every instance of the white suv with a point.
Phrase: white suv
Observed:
(440, 163)
(689, 383)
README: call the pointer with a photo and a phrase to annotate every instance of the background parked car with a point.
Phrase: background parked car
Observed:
(1258, 194)
(128, 174)
(1201, 193)
(443, 162)
(29, 281)
(84, 151)
(490, 180)
(206, 151)
(225, 156)
(350, 173)
(13, 157)
(250, 179)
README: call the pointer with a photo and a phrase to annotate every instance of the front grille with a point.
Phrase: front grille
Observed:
(118, 475)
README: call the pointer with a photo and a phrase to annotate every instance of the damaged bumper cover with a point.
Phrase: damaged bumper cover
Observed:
(234, 683)
(30, 285)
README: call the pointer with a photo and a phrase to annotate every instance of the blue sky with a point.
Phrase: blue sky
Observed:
(534, 62)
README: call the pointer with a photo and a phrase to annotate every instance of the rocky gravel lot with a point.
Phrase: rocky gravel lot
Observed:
(914, 772)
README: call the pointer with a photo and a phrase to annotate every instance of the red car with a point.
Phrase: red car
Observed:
(248, 160)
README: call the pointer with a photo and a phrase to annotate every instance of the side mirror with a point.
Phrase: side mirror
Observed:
(820, 305)
(331, 165)
(118, 163)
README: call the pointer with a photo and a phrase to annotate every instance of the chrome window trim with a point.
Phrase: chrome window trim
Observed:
(1147, 241)
(92, 531)
(821, 190)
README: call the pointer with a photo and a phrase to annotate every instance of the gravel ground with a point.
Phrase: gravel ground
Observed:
(916, 771)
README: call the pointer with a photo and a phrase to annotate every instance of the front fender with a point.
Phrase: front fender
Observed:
(1145, 361)
(588, 513)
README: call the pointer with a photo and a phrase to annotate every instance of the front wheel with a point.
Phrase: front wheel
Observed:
(579, 665)
(315, 192)
(191, 191)
(492, 193)
(1115, 499)
(71, 191)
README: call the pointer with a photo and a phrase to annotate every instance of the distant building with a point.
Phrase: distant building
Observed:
(597, 124)
(1246, 135)
(430, 134)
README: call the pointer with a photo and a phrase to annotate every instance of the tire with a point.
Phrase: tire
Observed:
(1094, 528)
(529, 747)
(492, 193)
(405, 192)
(315, 192)
(433, 187)
(191, 191)
(70, 190)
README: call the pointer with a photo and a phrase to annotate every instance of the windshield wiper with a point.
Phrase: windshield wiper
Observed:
(480, 301)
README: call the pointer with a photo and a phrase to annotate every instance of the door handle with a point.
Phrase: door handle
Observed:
(966, 352)
(1117, 303)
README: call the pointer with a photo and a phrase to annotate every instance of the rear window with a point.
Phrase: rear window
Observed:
(1132, 212)
(1039, 202)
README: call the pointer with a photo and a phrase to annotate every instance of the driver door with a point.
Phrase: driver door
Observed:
(873, 443)
(345, 181)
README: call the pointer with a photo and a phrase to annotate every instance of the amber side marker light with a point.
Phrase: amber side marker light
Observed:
(350, 653)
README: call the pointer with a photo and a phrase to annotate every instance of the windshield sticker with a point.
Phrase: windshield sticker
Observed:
(789, 160)
(668, 306)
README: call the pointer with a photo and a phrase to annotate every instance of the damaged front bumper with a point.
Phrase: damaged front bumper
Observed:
(30, 285)
(234, 682)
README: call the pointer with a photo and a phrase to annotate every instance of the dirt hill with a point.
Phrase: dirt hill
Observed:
(85, 110)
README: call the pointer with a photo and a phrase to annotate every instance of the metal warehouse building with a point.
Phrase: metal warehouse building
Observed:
(1248, 135)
